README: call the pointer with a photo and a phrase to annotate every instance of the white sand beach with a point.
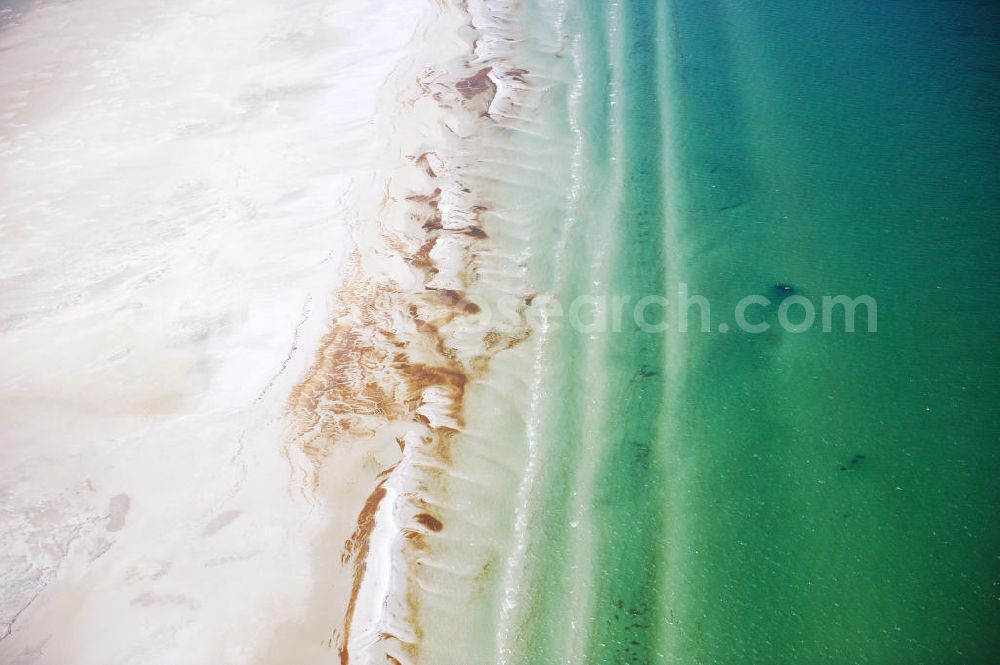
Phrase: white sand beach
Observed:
(177, 185)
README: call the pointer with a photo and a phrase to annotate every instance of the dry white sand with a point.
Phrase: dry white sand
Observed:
(177, 180)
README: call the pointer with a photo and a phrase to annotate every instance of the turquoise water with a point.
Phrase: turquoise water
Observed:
(858, 144)
(814, 497)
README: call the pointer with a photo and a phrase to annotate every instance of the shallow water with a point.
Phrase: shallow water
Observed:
(726, 497)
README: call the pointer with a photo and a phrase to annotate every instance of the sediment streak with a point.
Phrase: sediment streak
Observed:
(410, 336)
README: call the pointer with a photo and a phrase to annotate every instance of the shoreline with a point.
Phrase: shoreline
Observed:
(394, 376)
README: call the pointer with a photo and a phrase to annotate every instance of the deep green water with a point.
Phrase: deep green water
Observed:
(814, 497)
